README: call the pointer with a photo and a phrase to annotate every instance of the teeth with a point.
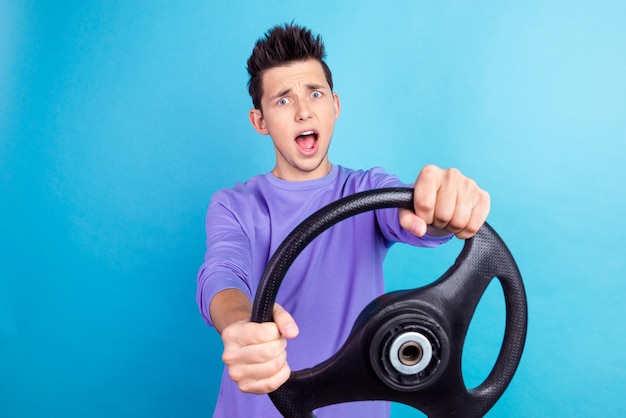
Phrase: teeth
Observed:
(307, 133)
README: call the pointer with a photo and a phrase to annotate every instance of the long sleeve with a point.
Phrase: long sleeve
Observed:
(228, 258)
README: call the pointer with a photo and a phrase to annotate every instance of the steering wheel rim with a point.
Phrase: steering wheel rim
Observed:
(439, 313)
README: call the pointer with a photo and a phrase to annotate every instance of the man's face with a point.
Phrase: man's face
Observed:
(299, 113)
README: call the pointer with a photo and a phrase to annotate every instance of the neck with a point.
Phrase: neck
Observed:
(299, 175)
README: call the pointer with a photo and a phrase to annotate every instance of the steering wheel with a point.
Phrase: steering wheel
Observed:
(405, 346)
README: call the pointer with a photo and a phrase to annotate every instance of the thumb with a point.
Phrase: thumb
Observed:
(285, 322)
(412, 223)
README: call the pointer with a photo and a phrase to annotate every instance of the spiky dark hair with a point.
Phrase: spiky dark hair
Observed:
(281, 45)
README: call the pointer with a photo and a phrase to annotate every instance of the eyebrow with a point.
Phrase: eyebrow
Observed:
(288, 90)
(280, 94)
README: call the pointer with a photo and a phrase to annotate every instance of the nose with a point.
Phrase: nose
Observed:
(304, 111)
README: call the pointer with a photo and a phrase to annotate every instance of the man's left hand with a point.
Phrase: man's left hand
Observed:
(446, 202)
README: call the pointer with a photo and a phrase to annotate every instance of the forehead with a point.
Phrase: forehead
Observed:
(293, 75)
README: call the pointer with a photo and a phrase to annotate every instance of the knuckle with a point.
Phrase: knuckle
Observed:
(455, 172)
(272, 385)
(228, 334)
(423, 205)
(267, 352)
(235, 374)
(264, 387)
(456, 225)
(442, 216)
(228, 358)
(246, 387)
(472, 229)
(485, 197)
(278, 363)
(262, 332)
(430, 169)
(441, 225)
(428, 172)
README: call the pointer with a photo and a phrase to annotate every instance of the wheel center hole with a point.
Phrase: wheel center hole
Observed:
(410, 353)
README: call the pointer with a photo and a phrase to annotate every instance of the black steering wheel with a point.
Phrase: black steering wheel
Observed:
(405, 346)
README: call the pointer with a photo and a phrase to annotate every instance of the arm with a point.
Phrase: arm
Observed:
(446, 202)
(254, 354)
(229, 306)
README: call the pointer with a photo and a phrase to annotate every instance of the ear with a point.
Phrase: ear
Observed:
(337, 105)
(258, 121)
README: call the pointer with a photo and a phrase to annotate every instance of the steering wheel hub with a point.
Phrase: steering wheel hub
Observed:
(407, 351)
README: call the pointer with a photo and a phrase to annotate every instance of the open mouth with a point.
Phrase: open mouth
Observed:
(307, 141)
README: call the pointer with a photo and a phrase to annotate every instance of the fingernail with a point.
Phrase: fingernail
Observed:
(290, 329)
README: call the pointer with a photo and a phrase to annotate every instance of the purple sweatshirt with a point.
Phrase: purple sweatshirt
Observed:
(326, 287)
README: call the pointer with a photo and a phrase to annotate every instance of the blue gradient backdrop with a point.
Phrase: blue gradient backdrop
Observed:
(118, 120)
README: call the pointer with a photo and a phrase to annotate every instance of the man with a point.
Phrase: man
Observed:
(340, 271)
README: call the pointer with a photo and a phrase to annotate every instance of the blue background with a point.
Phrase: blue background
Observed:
(118, 120)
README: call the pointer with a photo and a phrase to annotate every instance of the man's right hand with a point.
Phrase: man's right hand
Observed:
(255, 353)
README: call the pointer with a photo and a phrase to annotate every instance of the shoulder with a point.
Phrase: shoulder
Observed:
(241, 191)
(240, 203)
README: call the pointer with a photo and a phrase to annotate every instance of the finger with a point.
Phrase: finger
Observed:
(255, 362)
(254, 353)
(285, 322)
(411, 222)
(446, 202)
(460, 218)
(268, 384)
(249, 333)
(466, 199)
(478, 215)
(425, 193)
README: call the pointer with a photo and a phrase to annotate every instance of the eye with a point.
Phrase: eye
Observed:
(316, 94)
(283, 101)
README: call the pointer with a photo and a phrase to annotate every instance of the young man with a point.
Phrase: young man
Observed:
(340, 271)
